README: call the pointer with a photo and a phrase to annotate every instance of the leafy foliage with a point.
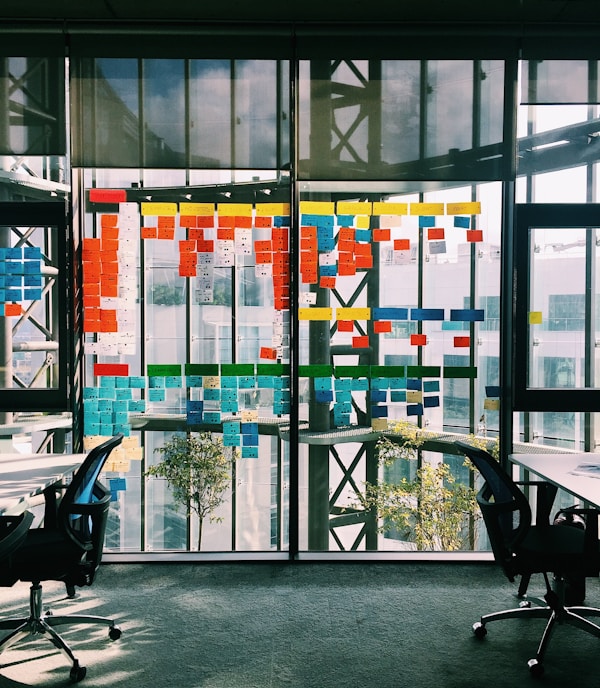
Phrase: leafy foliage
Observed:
(433, 509)
(198, 469)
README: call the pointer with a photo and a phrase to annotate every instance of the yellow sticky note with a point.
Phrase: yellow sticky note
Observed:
(234, 209)
(354, 208)
(205, 209)
(249, 416)
(491, 404)
(362, 222)
(426, 208)
(165, 209)
(315, 313)
(379, 424)
(414, 397)
(535, 317)
(381, 208)
(317, 207)
(130, 442)
(211, 382)
(472, 208)
(353, 314)
(270, 209)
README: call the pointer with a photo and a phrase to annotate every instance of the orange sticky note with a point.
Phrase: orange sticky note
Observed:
(346, 234)
(110, 244)
(205, 221)
(109, 220)
(187, 246)
(381, 234)
(474, 235)
(226, 221)
(435, 233)
(226, 234)
(309, 277)
(149, 232)
(263, 222)
(110, 233)
(345, 325)
(12, 309)
(418, 339)
(188, 221)
(205, 246)
(364, 261)
(362, 249)
(263, 246)
(165, 233)
(361, 342)
(327, 282)
(346, 245)
(401, 244)
(268, 353)
(462, 341)
(346, 269)
(380, 326)
(89, 244)
(308, 232)
(243, 221)
(195, 234)
(264, 258)
(166, 222)
(187, 269)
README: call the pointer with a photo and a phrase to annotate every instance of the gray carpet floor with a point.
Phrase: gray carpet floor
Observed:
(317, 625)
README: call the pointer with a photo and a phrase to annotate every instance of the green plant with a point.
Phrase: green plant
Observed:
(198, 469)
(432, 509)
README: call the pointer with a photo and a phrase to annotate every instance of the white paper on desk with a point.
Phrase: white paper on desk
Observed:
(590, 470)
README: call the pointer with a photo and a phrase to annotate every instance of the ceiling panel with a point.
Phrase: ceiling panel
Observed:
(429, 11)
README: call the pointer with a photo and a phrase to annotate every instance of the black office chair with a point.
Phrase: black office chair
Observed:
(68, 547)
(523, 548)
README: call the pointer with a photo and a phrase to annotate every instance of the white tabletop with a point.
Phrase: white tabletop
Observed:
(23, 476)
(578, 474)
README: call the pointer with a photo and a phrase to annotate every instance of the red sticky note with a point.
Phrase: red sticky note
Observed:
(188, 221)
(309, 277)
(195, 234)
(346, 234)
(226, 221)
(401, 244)
(435, 233)
(166, 222)
(226, 234)
(380, 326)
(418, 339)
(282, 304)
(205, 245)
(381, 234)
(205, 221)
(263, 246)
(346, 269)
(346, 246)
(362, 249)
(116, 369)
(187, 246)
(361, 342)
(187, 269)
(263, 258)
(345, 325)
(108, 196)
(462, 341)
(243, 221)
(474, 235)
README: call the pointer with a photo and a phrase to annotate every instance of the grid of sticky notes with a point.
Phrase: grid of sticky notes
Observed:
(336, 239)
(21, 278)
(412, 388)
(218, 233)
(212, 394)
(110, 282)
(118, 461)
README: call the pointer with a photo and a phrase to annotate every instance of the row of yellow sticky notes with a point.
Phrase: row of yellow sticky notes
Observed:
(207, 209)
(383, 208)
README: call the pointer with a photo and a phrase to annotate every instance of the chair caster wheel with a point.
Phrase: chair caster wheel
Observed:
(77, 673)
(535, 668)
(525, 604)
(479, 630)
(114, 632)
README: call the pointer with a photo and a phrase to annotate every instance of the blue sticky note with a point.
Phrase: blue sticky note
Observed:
(464, 222)
(117, 484)
(378, 395)
(427, 314)
(414, 410)
(32, 267)
(380, 383)
(431, 402)
(431, 385)
(398, 383)
(379, 411)
(345, 220)
(325, 244)
(323, 396)
(32, 281)
(390, 313)
(32, 253)
(344, 407)
(250, 440)
(281, 221)
(426, 221)
(492, 391)
(362, 235)
(467, 314)
(414, 384)
(328, 270)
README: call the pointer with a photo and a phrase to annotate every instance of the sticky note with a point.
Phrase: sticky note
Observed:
(535, 317)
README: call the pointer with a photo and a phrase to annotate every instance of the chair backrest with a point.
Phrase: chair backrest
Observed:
(504, 507)
(83, 509)
(13, 531)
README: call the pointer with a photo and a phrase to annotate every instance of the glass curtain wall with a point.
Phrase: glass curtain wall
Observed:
(557, 163)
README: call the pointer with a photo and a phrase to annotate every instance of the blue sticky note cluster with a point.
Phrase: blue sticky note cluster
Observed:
(20, 274)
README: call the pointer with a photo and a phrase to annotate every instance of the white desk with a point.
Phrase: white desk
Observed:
(558, 470)
(23, 476)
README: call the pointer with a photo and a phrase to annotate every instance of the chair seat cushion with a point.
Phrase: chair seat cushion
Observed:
(45, 555)
(556, 548)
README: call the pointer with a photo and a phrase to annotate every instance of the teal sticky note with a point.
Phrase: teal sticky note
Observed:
(212, 417)
(231, 440)
(157, 394)
(173, 381)
(194, 380)
(249, 452)
(137, 381)
(229, 407)
(265, 381)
